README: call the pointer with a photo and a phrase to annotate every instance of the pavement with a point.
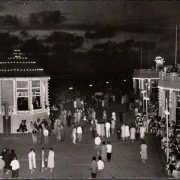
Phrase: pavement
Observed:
(72, 161)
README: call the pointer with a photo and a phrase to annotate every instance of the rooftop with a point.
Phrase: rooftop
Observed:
(18, 65)
(146, 73)
(169, 80)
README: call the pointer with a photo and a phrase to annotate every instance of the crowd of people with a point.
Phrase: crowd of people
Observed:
(158, 126)
(9, 162)
(101, 128)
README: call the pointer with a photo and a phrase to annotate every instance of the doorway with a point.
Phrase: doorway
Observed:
(7, 125)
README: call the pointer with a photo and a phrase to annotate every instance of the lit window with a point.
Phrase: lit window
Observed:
(36, 96)
(22, 95)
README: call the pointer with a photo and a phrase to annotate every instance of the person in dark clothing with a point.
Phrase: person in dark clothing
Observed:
(12, 155)
(3, 152)
(127, 106)
(40, 135)
(69, 119)
(93, 127)
(49, 126)
(170, 168)
(62, 133)
(118, 133)
(93, 167)
(24, 127)
(39, 125)
(7, 160)
(121, 116)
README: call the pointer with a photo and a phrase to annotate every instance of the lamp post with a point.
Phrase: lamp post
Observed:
(166, 112)
(147, 99)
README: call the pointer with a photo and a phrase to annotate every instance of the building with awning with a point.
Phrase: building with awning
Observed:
(169, 96)
(23, 92)
(145, 79)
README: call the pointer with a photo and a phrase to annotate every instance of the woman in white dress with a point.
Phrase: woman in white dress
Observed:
(123, 131)
(114, 116)
(32, 160)
(79, 132)
(142, 132)
(143, 151)
(50, 163)
(74, 133)
(113, 123)
(102, 130)
(78, 116)
(104, 115)
(31, 127)
(75, 104)
(133, 133)
(127, 132)
(93, 114)
(46, 135)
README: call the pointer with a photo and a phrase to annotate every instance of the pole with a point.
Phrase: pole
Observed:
(141, 56)
(147, 104)
(149, 58)
(176, 47)
(167, 132)
(143, 102)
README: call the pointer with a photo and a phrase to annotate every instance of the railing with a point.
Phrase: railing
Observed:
(35, 111)
(146, 73)
(169, 76)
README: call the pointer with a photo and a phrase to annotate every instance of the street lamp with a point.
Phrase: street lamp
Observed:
(147, 99)
(90, 85)
(70, 88)
(166, 112)
(107, 82)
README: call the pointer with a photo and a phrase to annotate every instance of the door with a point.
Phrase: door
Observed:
(178, 116)
(7, 125)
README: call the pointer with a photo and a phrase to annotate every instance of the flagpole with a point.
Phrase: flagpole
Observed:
(176, 47)
(141, 56)
(149, 58)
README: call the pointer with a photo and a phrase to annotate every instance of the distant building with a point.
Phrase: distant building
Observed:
(145, 79)
(169, 96)
(23, 92)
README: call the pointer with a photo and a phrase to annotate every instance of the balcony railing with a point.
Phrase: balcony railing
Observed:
(35, 111)
(146, 73)
(169, 76)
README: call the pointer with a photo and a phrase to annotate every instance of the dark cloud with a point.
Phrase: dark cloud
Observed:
(2, 8)
(150, 22)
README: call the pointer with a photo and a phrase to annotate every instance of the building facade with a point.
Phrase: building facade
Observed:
(23, 92)
(145, 80)
(169, 96)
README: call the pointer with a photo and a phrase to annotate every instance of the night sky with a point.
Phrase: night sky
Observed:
(150, 24)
